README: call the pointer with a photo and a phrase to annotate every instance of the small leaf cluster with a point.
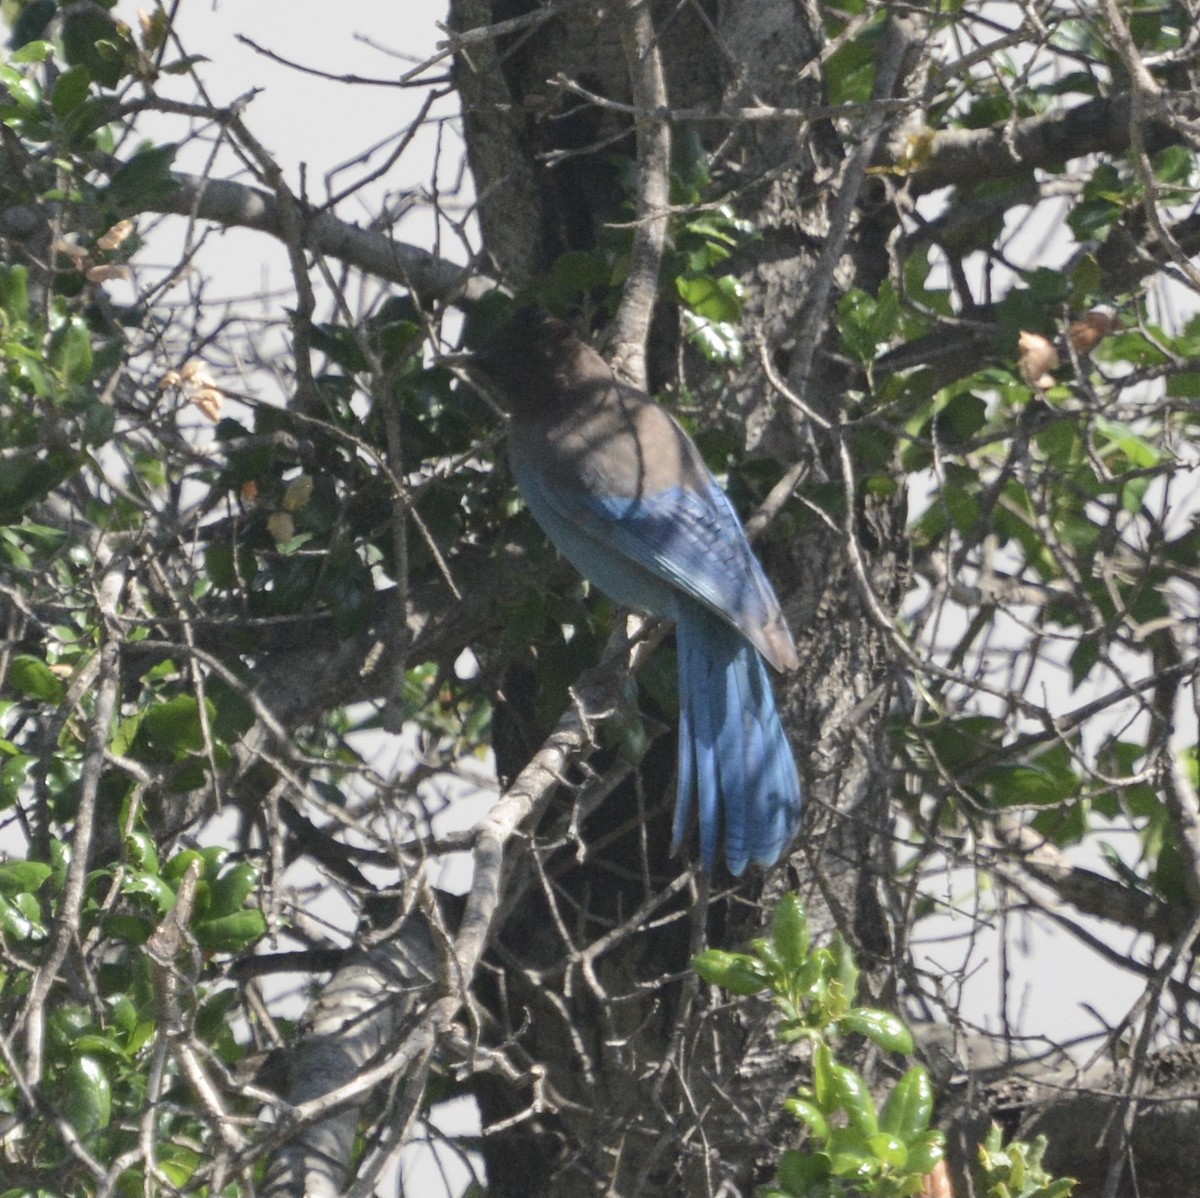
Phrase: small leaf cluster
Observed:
(854, 1147)
(702, 236)
(98, 1052)
(50, 415)
(700, 243)
(1015, 1170)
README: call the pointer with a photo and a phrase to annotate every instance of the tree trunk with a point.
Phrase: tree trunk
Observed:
(642, 1081)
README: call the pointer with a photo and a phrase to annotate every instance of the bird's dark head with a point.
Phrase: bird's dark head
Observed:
(534, 359)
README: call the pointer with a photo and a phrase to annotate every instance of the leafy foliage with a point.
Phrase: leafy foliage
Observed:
(280, 521)
(854, 1147)
(1015, 1170)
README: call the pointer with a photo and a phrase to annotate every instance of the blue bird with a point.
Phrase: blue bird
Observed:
(623, 493)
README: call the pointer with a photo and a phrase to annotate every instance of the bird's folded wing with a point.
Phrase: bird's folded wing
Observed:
(688, 538)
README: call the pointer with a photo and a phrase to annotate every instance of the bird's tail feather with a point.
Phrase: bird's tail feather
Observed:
(734, 758)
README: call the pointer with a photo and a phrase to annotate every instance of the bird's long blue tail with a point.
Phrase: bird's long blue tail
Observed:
(733, 755)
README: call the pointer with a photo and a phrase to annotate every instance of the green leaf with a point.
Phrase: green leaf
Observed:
(813, 980)
(91, 1042)
(22, 877)
(850, 1157)
(882, 1027)
(1133, 347)
(718, 341)
(1174, 165)
(852, 1095)
(856, 323)
(142, 852)
(1082, 82)
(397, 342)
(926, 1152)
(29, 367)
(178, 865)
(92, 38)
(735, 972)
(340, 345)
(1139, 452)
(1055, 1189)
(1046, 781)
(150, 886)
(33, 678)
(36, 51)
(24, 91)
(850, 72)
(99, 423)
(71, 89)
(1083, 658)
(1048, 286)
(716, 299)
(12, 778)
(174, 725)
(42, 537)
(232, 888)
(87, 1101)
(845, 971)
(181, 66)
(808, 1114)
(888, 1150)
(14, 292)
(131, 929)
(960, 419)
(765, 951)
(908, 1108)
(14, 922)
(689, 163)
(71, 351)
(230, 933)
(823, 1079)
(1184, 384)
(887, 312)
(144, 179)
(789, 931)
(179, 1167)
(800, 1172)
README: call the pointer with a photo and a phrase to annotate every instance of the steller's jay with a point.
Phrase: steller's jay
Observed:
(623, 493)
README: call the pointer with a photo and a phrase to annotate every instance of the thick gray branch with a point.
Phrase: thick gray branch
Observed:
(349, 1027)
(1102, 126)
(236, 205)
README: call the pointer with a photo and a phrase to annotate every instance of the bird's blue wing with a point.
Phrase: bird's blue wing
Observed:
(689, 539)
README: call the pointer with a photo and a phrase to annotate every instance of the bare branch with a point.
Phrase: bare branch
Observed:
(235, 204)
(632, 323)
